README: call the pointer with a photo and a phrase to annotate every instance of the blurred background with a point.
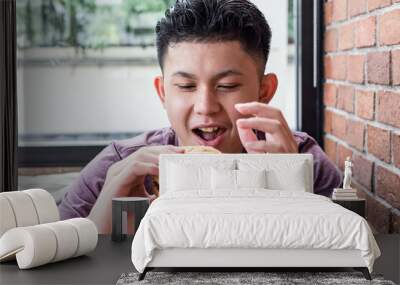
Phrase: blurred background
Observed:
(86, 68)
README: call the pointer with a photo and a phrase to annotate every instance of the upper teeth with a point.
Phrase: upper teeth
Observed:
(208, 129)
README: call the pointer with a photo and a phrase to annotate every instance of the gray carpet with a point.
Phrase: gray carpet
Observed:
(225, 278)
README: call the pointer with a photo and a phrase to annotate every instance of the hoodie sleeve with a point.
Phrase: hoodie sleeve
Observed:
(326, 175)
(81, 195)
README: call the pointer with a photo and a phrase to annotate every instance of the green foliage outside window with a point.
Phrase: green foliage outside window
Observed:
(291, 28)
(87, 23)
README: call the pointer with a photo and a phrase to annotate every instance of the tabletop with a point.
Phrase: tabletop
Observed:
(110, 259)
(104, 265)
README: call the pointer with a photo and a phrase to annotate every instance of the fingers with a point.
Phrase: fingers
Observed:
(257, 109)
(144, 156)
(152, 198)
(151, 153)
(260, 123)
(272, 128)
(167, 149)
(246, 135)
(270, 120)
(144, 168)
(129, 171)
(261, 110)
(133, 176)
(148, 154)
(263, 146)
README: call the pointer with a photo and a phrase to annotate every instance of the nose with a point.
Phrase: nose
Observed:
(206, 102)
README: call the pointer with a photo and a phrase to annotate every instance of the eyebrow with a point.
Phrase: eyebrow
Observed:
(215, 77)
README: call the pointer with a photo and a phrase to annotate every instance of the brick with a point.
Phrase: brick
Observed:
(378, 215)
(330, 95)
(365, 32)
(342, 153)
(339, 10)
(330, 149)
(346, 37)
(328, 121)
(345, 98)
(375, 4)
(330, 41)
(388, 185)
(379, 143)
(362, 171)
(355, 134)
(338, 67)
(339, 126)
(365, 104)
(361, 193)
(378, 67)
(396, 67)
(355, 68)
(328, 68)
(328, 6)
(388, 108)
(395, 223)
(357, 7)
(389, 32)
(396, 149)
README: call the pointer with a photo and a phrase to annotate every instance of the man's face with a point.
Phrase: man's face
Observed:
(201, 84)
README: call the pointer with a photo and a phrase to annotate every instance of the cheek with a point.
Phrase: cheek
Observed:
(252, 92)
(247, 93)
(176, 104)
(178, 109)
(234, 115)
(242, 97)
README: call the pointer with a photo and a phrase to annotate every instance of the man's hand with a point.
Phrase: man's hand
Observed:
(129, 173)
(126, 178)
(270, 120)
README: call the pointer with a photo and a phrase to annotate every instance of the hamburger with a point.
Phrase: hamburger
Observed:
(200, 149)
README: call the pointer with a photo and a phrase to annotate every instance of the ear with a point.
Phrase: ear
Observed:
(159, 86)
(269, 84)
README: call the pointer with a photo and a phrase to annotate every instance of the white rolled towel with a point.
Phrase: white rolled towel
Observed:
(7, 218)
(45, 205)
(22, 207)
(26, 208)
(40, 244)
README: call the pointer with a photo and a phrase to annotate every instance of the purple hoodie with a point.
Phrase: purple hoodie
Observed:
(83, 192)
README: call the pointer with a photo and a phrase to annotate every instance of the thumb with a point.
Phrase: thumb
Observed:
(152, 198)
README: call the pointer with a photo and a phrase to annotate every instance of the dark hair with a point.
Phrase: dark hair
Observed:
(213, 21)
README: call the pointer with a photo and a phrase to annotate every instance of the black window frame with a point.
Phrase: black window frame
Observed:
(309, 34)
(8, 98)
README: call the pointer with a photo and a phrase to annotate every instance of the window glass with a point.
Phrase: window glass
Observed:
(86, 68)
(282, 55)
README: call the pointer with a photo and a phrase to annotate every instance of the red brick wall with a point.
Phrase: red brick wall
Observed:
(362, 100)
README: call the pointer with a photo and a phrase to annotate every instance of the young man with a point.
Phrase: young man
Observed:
(212, 55)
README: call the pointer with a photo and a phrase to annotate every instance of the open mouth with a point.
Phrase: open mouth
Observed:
(209, 134)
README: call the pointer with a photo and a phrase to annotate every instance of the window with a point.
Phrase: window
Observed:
(85, 71)
(86, 68)
(282, 58)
